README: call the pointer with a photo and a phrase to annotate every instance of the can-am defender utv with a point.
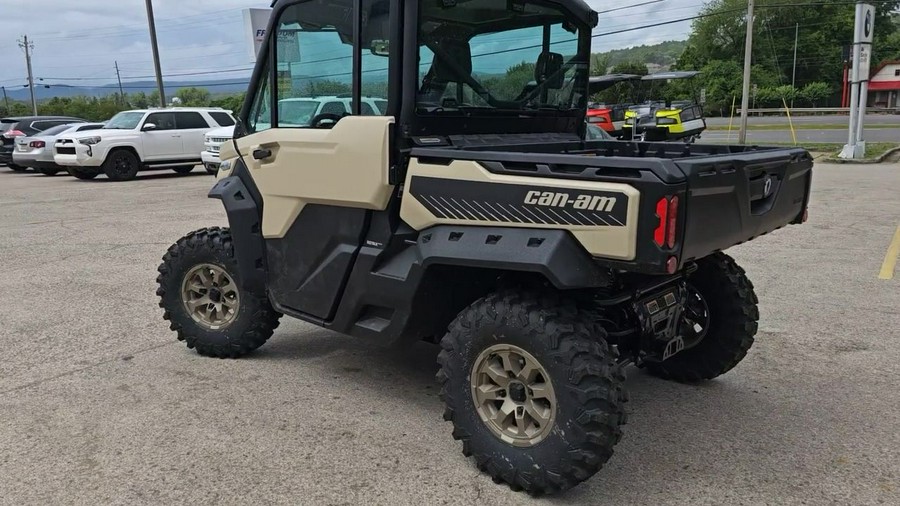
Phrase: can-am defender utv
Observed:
(474, 212)
(661, 120)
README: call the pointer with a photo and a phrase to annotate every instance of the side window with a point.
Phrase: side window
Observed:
(40, 126)
(222, 118)
(375, 50)
(190, 121)
(337, 108)
(162, 120)
(314, 59)
(260, 117)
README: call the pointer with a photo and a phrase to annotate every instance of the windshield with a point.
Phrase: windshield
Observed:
(531, 60)
(124, 121)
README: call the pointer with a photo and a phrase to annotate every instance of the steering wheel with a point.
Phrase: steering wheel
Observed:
(325, 116)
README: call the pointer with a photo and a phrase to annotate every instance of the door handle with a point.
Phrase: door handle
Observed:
(262, 154)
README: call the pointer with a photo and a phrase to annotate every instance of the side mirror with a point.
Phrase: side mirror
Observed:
(148, 127)
(381, 48)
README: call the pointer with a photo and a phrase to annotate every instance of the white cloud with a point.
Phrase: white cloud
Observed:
(80, 40)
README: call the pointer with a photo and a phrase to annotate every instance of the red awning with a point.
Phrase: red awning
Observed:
(884, 85)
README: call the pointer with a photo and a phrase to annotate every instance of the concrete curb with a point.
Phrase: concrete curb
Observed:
(865, 161)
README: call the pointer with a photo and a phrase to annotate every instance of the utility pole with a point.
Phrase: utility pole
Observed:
(119, 77)
(28, 46)
(794, 73)
(155, 47)
(745, 94)
(5, 99)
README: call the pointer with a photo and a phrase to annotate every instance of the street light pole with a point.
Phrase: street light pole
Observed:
(794, 73)
(745, 94)
(155, 47)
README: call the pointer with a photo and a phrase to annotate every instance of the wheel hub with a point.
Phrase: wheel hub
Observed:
(210, 296)
(513, 395)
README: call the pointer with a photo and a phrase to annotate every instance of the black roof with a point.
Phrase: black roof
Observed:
(17, 119)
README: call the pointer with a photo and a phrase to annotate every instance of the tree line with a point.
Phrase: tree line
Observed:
(103, 108)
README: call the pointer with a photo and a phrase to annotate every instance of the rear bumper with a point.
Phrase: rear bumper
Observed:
(6, 154)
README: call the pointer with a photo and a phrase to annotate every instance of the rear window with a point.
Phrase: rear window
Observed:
(56, 130)
(222, 118)
(6, 125)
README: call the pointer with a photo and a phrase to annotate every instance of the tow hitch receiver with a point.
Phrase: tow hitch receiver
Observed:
(659, 317)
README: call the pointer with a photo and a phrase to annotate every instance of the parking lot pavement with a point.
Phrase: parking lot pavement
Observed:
(99, 403)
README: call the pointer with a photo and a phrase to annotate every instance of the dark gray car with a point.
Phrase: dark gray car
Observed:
(20, 126)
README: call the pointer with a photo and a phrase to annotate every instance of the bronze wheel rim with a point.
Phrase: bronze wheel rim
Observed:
(513, 395)
(210, 296)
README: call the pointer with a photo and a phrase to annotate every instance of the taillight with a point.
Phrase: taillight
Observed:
(673, 222)
(666, 231)
(37, 144)
(662, 212)
(13, 133)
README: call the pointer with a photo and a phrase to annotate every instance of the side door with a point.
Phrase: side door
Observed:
(319, 182)
(162, 141)
(193, 126)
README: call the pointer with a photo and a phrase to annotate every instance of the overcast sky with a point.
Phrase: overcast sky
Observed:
(77, 41)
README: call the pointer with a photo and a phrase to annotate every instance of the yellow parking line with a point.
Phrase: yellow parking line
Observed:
(890, 259)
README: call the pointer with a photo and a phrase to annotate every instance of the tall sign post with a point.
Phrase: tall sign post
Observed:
(859, 80)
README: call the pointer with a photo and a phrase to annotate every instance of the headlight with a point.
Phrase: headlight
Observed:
(207, 139)
(225, 166)
(90, 141)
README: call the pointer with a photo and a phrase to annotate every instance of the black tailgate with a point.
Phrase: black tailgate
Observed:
(737, 197)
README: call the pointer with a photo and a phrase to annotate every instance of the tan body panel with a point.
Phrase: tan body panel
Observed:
(617, 242)
(345, 166)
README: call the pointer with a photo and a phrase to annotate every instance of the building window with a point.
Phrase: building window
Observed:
(897, 73)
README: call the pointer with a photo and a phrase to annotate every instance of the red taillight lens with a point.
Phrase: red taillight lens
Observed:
(662, 210)
(667, 212)
(37, 144)
(13, 133)
(673, 222)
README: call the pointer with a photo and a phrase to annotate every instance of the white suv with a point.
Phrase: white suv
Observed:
(140, 140)
(213, 143)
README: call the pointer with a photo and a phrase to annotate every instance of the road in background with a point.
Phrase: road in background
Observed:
(888, 129)
(871, 119)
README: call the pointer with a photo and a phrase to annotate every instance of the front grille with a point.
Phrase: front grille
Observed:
(213, 149)
(65, 151)
(219, 140)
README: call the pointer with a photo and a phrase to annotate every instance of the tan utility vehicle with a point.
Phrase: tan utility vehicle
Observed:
(472, 211)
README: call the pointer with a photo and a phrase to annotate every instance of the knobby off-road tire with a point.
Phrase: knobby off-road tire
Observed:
(121, 165)
(184, 169)
(253, 319)
(586, 382)
(85, 174)
(733, 317)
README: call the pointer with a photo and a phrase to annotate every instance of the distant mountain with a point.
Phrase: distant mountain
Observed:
(233, 85)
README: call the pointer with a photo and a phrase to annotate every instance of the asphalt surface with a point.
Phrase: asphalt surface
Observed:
(805, 135)
(100, 404)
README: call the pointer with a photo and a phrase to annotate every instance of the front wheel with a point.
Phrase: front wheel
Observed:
(121, 165)
(536, 399)
(201, 295)
(721, 317)
(49, 172)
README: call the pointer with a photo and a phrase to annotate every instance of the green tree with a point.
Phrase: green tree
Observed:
(815, 93)
(233, 103)
(139, 100)
(193, 97)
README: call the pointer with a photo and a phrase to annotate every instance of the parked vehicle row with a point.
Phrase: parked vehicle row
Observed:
(132, 141)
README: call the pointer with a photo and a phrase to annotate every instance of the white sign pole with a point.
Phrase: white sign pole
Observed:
(862, 60)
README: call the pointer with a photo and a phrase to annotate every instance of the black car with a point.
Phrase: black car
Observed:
(10, 128)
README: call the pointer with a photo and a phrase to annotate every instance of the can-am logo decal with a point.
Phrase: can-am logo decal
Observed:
(582, 202)
(455, 199)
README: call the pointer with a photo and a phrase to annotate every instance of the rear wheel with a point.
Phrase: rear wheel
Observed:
(184, 169)
(201, 295)
(121, 165)
(721, 320)
(49, 172)
(534, 397)
(82, 173)
(16, 168)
